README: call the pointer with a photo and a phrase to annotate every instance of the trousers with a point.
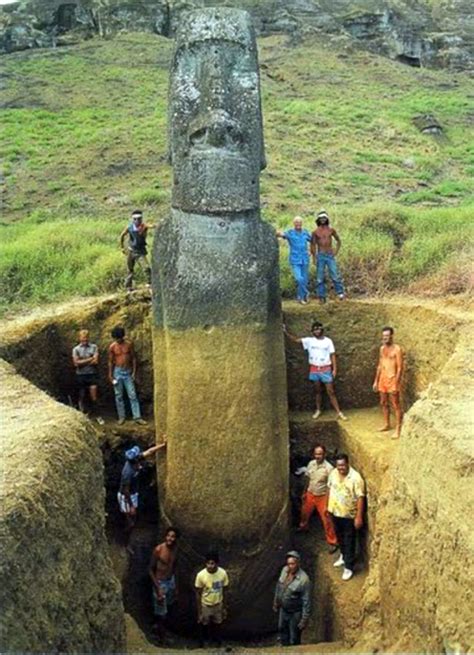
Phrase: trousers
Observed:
(124, 379)
(320, 504)
(301, 275)
(346, 536)
(326, 260)
(290, 634)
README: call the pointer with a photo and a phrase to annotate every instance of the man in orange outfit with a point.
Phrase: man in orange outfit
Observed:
(316, 495)
(388, 380)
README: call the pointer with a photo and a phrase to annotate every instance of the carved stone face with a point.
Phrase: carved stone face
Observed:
(215, 122)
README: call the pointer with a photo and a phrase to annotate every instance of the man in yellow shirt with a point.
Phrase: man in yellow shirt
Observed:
(346, 506)
(210, 586)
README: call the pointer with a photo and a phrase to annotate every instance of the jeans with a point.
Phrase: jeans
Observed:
(346, 537)
(301, 275)
(290, 634)
(140, 259)
(125, 381)
(323, 260)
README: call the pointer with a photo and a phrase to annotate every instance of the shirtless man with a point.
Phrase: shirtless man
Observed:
(325, 256)
(122, 370)
(162, 572)
(388, 380)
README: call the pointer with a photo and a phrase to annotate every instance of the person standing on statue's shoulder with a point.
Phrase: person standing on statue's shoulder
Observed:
(388, 380)
(322, 365)
(162, 572)
(346, 506)
(292, 600)
(316, 495)
(298, 241)
(210, 586)
(325, 256)
(136, 253)
(122, 371)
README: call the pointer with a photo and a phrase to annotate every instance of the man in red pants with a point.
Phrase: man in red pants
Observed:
(316, 495)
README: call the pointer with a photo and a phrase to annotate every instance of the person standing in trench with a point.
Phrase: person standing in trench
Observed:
(387, 381)
(346, 507)
(162, 573)
(292, 600)
(322, 365)
(315, 496)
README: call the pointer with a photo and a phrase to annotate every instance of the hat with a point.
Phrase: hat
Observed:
(132, 453)
(293, 553)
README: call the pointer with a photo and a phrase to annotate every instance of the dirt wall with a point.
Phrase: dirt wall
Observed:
(40, 346)
(58, 592)
(355, 327)
(426, 555)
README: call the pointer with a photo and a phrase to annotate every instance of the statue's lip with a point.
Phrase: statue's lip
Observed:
(213, 150)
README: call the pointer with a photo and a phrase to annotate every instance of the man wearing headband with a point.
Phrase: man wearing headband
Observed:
(136, 253)
(298, 240)
(325, 256)
(292, 600)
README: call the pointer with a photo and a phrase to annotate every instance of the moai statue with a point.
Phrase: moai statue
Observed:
(219, 369)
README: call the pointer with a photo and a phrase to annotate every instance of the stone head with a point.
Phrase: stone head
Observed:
(215, 119)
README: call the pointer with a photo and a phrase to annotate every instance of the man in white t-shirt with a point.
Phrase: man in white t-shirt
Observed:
(322, 365)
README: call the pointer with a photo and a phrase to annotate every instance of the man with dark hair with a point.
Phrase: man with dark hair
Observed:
(325, 256)
(346, 506)
(136, 253)
(122, 371)
(292, 600)
(315, 496)
(162, 572)
(388, 378)
(127, 495)
(210, 585)
(85, 357)
(298, 241)
(322, 365)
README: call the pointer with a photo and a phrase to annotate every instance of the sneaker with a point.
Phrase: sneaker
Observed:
(347, 574)
(140, 421)
(303, 302)
(317, 414)
(332, 548)
(100, 420)
(339, 561)
(121, 421)
(341, 296)
(322, 300)
(342, 417)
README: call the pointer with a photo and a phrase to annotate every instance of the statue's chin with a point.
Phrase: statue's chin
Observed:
(216, 180)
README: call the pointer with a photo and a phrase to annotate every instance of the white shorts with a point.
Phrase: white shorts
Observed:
(124, 505)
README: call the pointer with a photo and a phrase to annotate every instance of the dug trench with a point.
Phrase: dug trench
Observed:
(391, 602)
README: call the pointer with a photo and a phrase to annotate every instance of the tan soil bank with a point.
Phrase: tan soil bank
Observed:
(58, 591)
(415, 592)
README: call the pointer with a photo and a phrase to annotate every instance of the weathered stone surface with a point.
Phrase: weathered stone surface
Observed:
(58, 590)
(220, 393)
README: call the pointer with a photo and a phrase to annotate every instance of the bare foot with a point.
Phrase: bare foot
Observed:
(385, 428)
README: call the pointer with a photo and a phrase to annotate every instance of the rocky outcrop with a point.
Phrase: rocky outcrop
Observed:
(417, 33)
(58, 590)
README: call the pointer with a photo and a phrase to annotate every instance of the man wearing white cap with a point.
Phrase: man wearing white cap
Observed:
(325, 256)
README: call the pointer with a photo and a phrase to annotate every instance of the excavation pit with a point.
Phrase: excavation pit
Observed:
(411, 505)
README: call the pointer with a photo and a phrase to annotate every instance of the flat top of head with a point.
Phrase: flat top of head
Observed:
(216, 24)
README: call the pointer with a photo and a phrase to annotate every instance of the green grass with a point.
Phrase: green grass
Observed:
(84, 143)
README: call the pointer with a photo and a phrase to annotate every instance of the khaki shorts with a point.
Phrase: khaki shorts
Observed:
(212, 613)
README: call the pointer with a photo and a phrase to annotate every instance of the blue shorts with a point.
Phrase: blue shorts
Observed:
(168, 588)
(322, 376)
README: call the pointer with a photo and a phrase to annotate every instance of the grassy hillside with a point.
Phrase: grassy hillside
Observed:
(84, 143)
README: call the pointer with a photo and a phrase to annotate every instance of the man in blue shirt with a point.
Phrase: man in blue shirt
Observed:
(298, 241)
